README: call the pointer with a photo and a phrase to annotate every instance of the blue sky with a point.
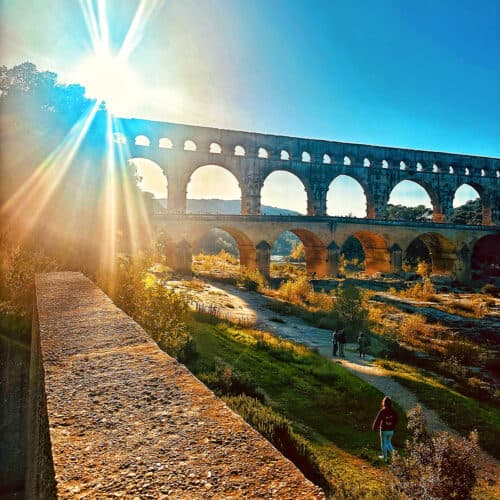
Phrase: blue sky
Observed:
(420, 74)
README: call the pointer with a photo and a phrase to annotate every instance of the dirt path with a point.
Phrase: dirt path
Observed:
(293, 328)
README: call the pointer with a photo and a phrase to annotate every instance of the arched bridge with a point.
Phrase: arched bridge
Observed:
(251, 157)
(384, 242)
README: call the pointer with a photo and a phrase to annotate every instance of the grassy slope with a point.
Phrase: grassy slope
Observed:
(328, 405)
(460, 412)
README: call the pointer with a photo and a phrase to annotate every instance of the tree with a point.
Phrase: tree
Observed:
(349, 311)
(469, 213)
(298, 253)
(401, 212)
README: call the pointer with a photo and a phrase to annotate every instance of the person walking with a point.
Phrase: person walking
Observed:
(342, 339)
(335, 341)
(363, 343)
(385, 422)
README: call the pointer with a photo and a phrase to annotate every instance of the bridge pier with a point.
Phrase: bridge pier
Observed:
(396, 259)
(333, 259)
(263, 258)
(463, 267)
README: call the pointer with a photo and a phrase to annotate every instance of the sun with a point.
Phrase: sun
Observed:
(109, 78)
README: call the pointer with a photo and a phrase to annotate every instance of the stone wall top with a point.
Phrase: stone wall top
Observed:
(127, 420)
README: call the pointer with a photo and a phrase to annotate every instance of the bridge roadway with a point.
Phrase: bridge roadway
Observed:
(385, 243)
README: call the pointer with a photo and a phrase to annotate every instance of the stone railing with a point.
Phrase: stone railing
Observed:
(111, 415)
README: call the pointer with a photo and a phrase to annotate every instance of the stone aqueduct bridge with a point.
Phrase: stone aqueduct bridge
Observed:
(181, 149)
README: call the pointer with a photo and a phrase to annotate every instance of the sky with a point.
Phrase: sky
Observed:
(422, 75)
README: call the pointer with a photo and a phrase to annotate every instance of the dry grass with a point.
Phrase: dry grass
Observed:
(299, 291)
(421, 290)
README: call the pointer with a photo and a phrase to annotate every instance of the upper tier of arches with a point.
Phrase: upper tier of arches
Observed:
(313, 151)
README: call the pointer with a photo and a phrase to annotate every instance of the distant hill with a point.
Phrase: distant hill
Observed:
(230, 207)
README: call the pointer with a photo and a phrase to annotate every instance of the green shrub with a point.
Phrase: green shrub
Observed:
(437, 466)
(18, 267)
(225, 381)
(159, 310)
(350, 311)
(251, 280)
(278, 430)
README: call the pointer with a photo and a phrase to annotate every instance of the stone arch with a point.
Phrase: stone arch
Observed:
(246, 249)
(215, 148)
(142, 140)
(385, 164)
(442, 252)
(239, 150)
(262, 153)
(269, 194)
(486, 206)
(190, 145)
(327, 159)
(485, 258)
(315, 251)
(151, 179)
(369, 211)
(306, 157)
(165, 142)
(430, 191)
(211, 181)
(367, 162)
(347, 160)
(376, 251)
(284, 155)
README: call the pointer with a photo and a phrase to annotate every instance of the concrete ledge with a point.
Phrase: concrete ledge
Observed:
(126, 420)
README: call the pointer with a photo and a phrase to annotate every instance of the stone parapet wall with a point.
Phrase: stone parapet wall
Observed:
(123, 419)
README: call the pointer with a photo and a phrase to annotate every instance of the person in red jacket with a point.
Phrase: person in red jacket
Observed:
(386, 421)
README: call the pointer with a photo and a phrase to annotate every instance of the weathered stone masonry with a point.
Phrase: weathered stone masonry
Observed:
(181, 149)
(112, 415)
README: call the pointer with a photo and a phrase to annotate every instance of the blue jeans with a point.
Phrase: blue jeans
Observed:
(385, 442)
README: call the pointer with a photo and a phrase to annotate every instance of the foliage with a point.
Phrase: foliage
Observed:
(224, 380)
(24, 89)
(298, 253)
(251, 280)
(278, 430)
(161, 311)
(413, 327)
(424, 290)
(423, 269)
(400, 212)
(223, 263)
(436, 467)
(350, 311)
(465, 352)
(469, 213)
(18, 267)
(296, 290)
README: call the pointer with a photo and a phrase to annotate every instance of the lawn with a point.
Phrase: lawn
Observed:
(330, 407)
